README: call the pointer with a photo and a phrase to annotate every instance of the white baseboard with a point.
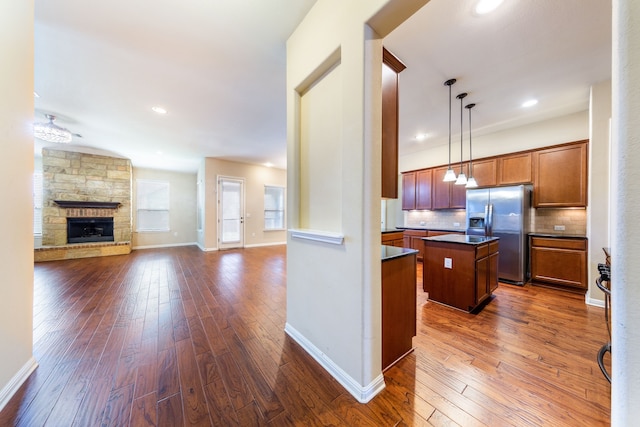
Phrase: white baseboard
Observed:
(362, 393)
(257, 245)
(203, 249)
(167, 245)
(592, 301)
(7, 392)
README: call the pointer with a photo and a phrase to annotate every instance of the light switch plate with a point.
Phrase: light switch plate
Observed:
(448, 263)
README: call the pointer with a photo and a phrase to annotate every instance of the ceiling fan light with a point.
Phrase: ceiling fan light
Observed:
(51, 132)
(462, 179)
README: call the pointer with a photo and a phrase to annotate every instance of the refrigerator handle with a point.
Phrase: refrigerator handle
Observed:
(490, 220)
(486, 220)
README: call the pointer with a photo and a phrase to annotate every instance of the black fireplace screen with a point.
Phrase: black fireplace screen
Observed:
(83, 230)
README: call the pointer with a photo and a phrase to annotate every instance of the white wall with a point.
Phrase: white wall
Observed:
(572, 127)
(598, 216)
(255, 179)
(182, 210)
(16, 169)
(625, 236)
(333, 291)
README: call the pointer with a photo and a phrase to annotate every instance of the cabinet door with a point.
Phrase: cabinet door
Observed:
(458, 193)
(482, 279)
(560, 176)
(493, 272)
(391, 66)
(408, 191)
(423, 189)
(514, 169)
(440, 189)
(564, 267)
(484, 172)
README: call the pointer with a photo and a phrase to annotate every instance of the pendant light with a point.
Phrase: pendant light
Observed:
(462, 179)
(471, 182)
(450, 175)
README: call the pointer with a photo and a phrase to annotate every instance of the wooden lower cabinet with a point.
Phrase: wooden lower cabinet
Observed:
(398, 307)
(393, 238)
(413, 240)
(460, 275)
(559, 261)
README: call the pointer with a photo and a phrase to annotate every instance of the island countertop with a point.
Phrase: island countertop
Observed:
(390, 252)
(464, 239)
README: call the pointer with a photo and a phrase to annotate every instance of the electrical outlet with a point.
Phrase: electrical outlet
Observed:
(558, 227)
(448, 263)
(456, 224)
(423, 223)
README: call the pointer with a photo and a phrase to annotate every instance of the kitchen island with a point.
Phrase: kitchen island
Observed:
(398, 303)
(460, 271)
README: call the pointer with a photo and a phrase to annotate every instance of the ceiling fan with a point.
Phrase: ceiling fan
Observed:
(51, 132)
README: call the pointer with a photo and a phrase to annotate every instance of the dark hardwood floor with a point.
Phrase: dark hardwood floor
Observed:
(183, 337)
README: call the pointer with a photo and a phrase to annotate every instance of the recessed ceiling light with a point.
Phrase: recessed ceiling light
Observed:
(268, 164)
(421, 136)
(159, 110)
(159, 153)
(486, 6)
(529, 103)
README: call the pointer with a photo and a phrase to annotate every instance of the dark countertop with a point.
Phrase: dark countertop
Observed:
(559, 236)
(391, 230)
(390, 252)
(464, 239)
(452, 230)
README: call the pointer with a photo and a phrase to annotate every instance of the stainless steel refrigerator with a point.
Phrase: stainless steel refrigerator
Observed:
(503, 212)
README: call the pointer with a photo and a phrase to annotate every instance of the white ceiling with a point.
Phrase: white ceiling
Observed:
(219, 69)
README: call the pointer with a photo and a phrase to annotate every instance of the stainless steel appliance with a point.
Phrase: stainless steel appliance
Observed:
(503, 212)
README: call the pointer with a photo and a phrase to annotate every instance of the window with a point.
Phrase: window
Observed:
(152, 205)
(273, 208)
(37, 204)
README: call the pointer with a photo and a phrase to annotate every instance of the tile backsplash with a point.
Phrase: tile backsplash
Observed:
(445, 220)
(545, 220)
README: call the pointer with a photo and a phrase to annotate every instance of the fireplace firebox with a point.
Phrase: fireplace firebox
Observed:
(84, 230)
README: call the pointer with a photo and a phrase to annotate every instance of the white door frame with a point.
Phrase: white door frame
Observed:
(235, 243)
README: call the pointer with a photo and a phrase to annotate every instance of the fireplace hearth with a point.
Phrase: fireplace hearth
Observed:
(85, 230)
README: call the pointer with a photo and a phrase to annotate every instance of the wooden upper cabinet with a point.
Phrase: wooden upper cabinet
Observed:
(424, 180)
(391, 67)
(514, 169)
(484, 172)
(408, 191)
(560, 176)
(447, 195)
(440, 189)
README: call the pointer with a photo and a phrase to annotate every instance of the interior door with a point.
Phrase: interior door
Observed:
(230, 213)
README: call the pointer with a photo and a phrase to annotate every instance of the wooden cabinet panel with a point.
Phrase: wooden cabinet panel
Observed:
(447, 195)
(559, 262)
(398, 308)
(408, 191)
(484, 172)
(424, 180)
(390, 68)
(514, 169)
(560, 176)
(395, 238)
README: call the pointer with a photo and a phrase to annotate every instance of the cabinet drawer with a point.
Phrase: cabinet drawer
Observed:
(550, 242)
(418, 233)
(482, 251)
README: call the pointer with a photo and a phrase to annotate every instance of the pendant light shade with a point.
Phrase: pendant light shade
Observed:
(462, 179)
(471, 182)
(450, 175)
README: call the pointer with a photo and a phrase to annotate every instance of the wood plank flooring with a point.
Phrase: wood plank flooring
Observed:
(177, 336)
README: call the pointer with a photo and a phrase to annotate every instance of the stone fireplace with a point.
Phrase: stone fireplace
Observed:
(86, 205)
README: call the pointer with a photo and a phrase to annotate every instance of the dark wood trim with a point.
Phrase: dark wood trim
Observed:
(392, 61)
(87, 205)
